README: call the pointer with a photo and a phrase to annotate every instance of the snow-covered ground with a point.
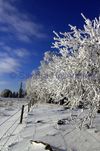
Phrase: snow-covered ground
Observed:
(41, 125)
(10, 111)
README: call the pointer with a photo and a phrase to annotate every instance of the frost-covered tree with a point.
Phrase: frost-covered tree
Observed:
(84, 46)
(72, 72)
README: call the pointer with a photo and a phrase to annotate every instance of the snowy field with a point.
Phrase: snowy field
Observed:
(41, 124)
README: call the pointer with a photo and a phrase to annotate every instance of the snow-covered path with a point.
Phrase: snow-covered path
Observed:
(42, 125)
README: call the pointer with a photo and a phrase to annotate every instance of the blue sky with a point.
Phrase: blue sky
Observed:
(26, 32)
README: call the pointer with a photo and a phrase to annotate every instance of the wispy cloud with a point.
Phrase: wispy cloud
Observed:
(22, 52)
(8, 65)
(17, 52)
(17, 23)
(12, 59)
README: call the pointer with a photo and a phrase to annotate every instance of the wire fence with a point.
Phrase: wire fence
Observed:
(9, 117)
(9, 137)
(15, 124)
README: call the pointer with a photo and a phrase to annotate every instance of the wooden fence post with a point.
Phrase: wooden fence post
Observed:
(28, 107)
(22, 112)
(32, 102)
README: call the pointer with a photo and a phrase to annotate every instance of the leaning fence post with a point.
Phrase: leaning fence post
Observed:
(22, 112)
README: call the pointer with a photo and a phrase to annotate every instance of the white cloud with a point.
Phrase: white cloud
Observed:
(17, 52)
(8, 65)
(11, 59)
(22, 52)
(17, 23)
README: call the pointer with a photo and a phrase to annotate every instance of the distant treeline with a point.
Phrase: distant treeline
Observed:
(9, 94)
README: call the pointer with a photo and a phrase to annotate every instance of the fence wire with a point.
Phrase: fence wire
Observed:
(18, 119)
(9, 117)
